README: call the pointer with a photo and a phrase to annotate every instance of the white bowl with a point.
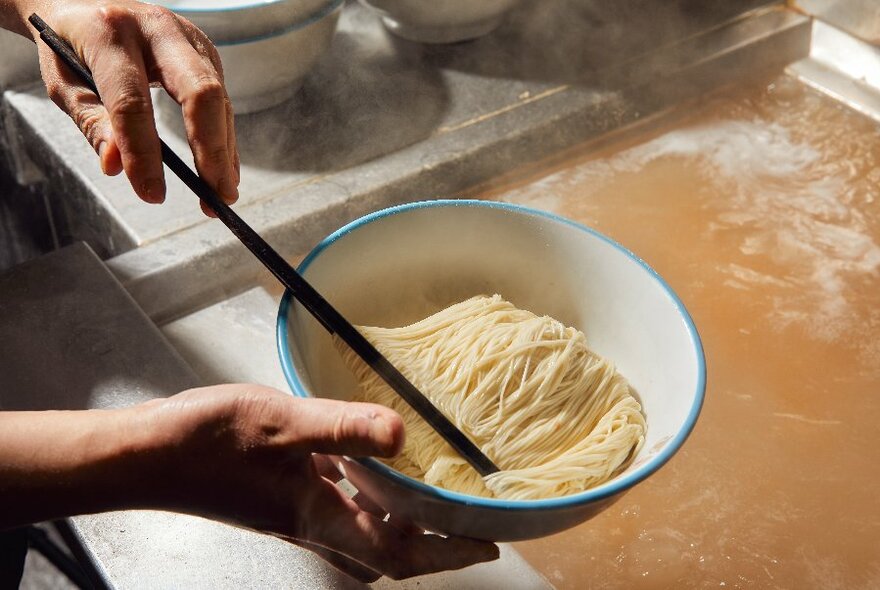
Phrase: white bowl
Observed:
(441, 21)
(233, 20)
(404, 263)
(264, 60)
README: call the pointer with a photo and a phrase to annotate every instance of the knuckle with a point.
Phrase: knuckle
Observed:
(114, 16)
(132, 103)
(206, 89)
(88, 120)
(160, 14)
(341, 426)
(217, 156)
(348, 428)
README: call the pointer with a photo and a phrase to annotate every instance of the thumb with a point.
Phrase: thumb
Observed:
(348, 428)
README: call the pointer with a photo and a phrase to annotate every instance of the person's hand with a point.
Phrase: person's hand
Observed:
(244, 454)
(128, 46)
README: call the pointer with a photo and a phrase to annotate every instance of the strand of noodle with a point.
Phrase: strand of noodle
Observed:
(556, 417)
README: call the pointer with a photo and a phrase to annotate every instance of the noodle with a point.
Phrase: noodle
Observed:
(554, 416)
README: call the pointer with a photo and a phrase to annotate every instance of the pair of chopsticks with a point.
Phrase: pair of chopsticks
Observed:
(325, 313)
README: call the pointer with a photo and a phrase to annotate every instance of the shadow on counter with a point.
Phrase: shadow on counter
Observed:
(365, 99)
(570, 41)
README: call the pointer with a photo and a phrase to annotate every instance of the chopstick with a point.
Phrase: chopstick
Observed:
(325, 313)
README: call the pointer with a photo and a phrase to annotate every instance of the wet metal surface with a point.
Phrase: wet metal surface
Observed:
(842, 67)
(761, 207)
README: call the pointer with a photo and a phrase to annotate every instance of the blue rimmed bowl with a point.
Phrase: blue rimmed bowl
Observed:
(233, 20)
(448, 21)
(401, 264)
(267, 47)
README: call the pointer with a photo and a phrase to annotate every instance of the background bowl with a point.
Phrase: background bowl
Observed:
(234, 20)
(441, 21)
(398, 265)
(267, 48)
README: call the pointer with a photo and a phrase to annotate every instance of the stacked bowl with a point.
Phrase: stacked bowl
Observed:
(267, 47)
(441, 21)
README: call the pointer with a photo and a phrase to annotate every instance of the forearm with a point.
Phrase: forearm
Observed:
(55, 464)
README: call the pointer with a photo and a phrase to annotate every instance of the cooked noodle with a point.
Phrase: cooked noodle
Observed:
(553, 415)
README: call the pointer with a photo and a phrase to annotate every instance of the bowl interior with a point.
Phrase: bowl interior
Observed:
(400, 265)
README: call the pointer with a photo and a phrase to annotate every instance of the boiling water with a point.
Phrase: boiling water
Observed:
(761, 210)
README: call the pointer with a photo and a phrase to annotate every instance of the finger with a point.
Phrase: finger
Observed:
(329, 471)
(232, 140)
(326, 468)
(345, 428)
(404, 524)
(344, 564)
(83, 106)
(210, 55)
(194, 82)
(337, 522)
(206, 209)
(118, 67)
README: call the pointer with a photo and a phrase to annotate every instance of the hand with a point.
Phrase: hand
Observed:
(243, 454)
(128, 46)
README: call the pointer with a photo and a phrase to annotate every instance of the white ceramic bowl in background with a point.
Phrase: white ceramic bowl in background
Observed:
(233, 20)
(267, 48)
(441, 21)
(399, 265)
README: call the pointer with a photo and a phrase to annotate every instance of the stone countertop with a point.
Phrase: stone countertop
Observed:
(72, 338)
(381, 121)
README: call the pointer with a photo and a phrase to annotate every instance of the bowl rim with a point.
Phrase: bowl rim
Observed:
(223, 9)
(324, 11)
(601, 492)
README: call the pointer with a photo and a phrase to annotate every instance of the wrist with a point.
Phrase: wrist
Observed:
(142, 453)
(114, 460)
(61, 463)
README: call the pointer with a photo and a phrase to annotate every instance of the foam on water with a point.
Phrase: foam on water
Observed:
(787, 185)
(760, 208)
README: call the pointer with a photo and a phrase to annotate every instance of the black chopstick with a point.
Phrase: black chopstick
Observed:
(325, 313)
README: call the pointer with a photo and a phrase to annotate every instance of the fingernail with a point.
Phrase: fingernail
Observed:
(102, 147)
(154, 191)
(229, 190)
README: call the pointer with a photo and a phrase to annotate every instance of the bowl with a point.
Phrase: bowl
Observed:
(401, 264)
(267, 48)
(234, 20)
(446, 21)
